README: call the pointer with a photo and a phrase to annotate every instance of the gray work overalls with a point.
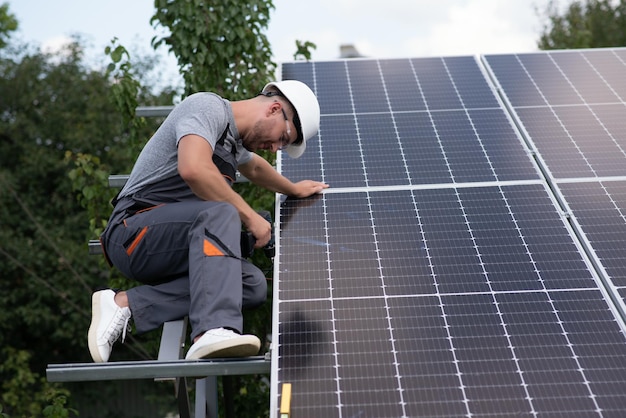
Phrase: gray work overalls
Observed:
(186, 252)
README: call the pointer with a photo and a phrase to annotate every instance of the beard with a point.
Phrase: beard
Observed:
(255, 139)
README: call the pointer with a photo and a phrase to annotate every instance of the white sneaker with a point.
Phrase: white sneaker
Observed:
(220, 342)
(108, 321)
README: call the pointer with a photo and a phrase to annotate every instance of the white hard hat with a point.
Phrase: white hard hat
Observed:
(307, 118)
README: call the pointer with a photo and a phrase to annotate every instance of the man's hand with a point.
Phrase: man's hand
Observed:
(261, 229)
(306, 188)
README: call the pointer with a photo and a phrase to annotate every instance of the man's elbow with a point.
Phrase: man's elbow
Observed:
(196, 177)
(188, 173)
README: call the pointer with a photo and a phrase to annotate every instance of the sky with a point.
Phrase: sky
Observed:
(378, 29)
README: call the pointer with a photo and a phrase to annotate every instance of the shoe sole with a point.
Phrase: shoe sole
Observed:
(92, 335)
(243, 346)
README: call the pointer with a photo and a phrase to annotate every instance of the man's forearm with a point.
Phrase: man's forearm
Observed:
(261, 173)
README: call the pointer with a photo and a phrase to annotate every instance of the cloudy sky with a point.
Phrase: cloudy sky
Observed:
(401, 28)
(381, 29)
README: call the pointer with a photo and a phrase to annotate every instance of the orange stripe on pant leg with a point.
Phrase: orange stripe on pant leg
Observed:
(137, 240)
(211, 250)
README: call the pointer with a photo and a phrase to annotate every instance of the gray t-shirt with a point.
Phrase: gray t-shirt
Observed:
(204, 114)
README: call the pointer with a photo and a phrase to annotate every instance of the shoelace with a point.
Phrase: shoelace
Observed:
(119, 325)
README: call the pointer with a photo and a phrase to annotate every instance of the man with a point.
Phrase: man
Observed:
(176, 225)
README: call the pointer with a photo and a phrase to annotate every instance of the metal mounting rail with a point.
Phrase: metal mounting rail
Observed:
(153, 111)
(154, 369)
(119, 180)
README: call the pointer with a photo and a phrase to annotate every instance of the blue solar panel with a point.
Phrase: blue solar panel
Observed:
(571, 104)
(600, 208)
(367, 142)
(442, 274)
(579, 131)
(403, 92)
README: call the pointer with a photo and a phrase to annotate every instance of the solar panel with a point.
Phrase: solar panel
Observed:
(574, 113)
(441, 274)
(374, 144)
(571, 104)
(600, 209)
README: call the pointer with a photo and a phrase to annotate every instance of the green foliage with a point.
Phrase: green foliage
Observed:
(25, 393)
(303, 49)
(58, 409)
(49, 105)
(8, 24)
(125, 88)
(585, 24)
(90, 176)
(57, 126)
(219, 44)
(90, 179)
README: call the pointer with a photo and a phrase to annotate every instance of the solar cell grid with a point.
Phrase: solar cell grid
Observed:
(602, 149)
(501, 145)
(557, 146)
(610, 66)
(600, 208)
(334, 93)
(401, 87)
(583, 138)
(469, 84)
(382, 151)
(521, 91)
(572, 107)
(464, 154)
(390, 147)
(439, 277)
(554, 87)
(435, 84)
(481, 330)
(367, 91)
(586, 80)
(422, 151)
(342, 161)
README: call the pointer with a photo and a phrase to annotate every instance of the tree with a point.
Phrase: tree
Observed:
(49, 105)
(8, 24)
(585, 24)
(219, 44)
